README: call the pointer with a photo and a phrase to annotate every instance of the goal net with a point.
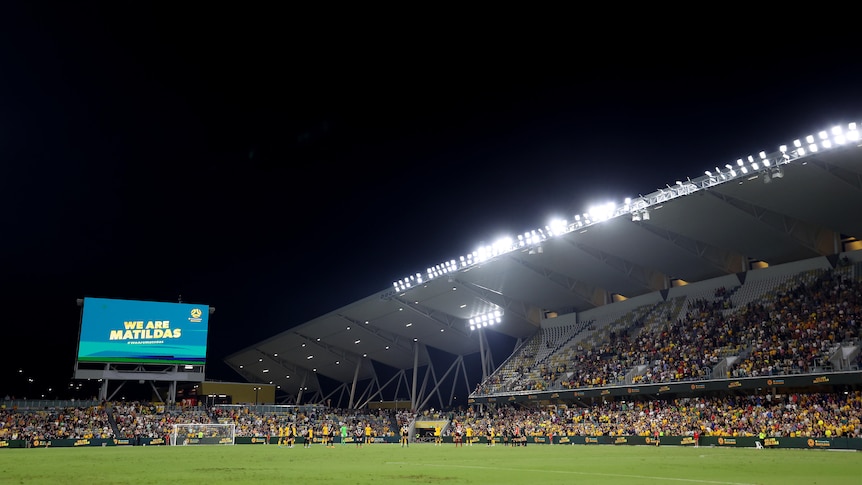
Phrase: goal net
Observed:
(203, 434)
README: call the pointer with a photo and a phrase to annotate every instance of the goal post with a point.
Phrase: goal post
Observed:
(203, 434)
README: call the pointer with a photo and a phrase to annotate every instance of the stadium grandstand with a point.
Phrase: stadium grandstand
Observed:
(690, 288)
(721, 310)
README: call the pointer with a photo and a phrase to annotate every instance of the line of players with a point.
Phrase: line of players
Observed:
(327, 434)
(508, 437)
(365, 435)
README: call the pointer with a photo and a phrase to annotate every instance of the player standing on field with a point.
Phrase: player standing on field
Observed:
(357, 434)
(368, 431)
(333, 434)
(324, 435)
(405, 435)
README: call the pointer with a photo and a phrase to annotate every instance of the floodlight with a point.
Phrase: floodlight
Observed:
(486, 319)
(601, 212)
(557, 226)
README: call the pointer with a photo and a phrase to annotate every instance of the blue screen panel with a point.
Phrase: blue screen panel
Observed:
(143, 331)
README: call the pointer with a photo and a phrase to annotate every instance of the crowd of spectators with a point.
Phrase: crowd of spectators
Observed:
(834, 414)
(791, 331)
(135, 420)
(61, 423)
(791, 415)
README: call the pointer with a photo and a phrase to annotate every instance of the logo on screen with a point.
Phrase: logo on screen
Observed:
(196, 315)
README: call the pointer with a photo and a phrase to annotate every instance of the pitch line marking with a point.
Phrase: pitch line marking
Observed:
(570, 472)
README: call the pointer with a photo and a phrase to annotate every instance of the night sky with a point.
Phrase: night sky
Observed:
(278, 165)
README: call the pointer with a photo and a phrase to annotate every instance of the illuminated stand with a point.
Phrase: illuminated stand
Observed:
(124, 370)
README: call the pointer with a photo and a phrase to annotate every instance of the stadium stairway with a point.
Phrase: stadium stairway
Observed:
(109, 410)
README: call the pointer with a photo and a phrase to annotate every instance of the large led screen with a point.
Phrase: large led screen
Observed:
(146, 332)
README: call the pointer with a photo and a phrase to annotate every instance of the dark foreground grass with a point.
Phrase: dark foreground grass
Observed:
(426, 463)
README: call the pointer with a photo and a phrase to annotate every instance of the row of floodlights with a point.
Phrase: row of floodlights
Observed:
(486, 319)
(507, 244)
(812, 144)
(824, 140)
(484, 253)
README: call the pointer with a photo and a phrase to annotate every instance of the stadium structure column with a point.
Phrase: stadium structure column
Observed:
(103, 391)
(415, 375)
(301, 387)
(482, 354)
(353, 385)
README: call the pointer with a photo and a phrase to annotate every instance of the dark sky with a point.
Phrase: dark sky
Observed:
(278, 164)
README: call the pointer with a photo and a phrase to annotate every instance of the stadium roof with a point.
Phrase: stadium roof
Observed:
(802, 206)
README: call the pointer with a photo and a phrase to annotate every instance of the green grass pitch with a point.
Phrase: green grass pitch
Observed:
(426, 463)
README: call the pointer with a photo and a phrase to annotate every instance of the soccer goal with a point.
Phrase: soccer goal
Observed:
(203, 434)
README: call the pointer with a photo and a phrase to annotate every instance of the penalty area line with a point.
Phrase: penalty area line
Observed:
(570, 472)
